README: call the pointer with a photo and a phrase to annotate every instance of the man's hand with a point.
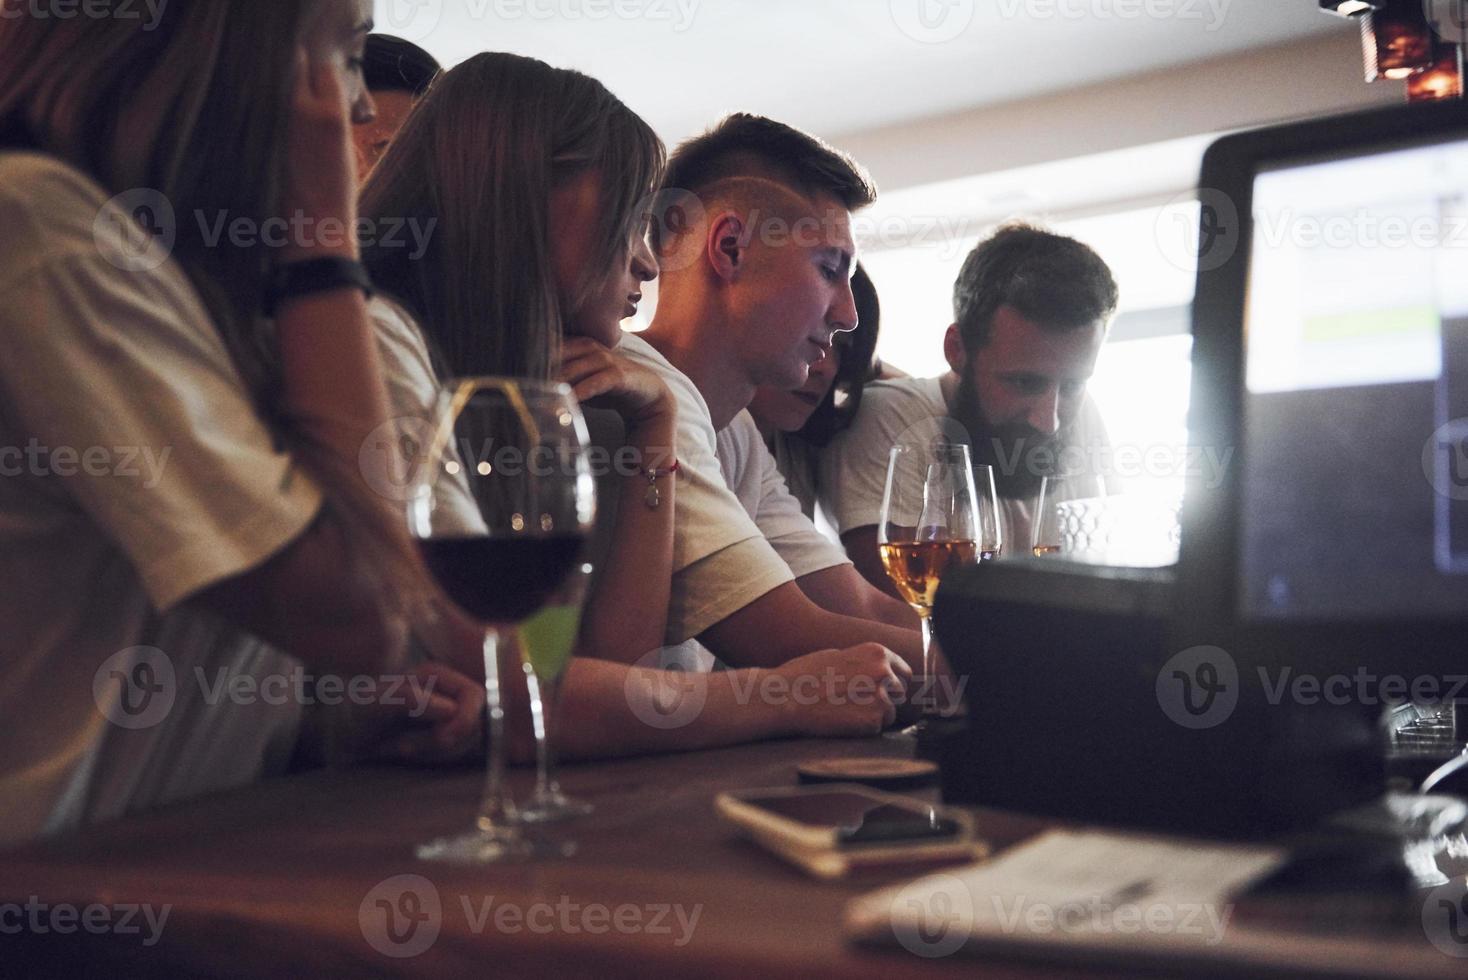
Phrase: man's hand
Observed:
(849, 692)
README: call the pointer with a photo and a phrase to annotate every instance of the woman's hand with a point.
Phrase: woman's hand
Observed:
(594, 372)
(444, 718)
(319, 198)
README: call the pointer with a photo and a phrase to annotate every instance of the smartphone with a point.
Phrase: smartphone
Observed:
(831, 830)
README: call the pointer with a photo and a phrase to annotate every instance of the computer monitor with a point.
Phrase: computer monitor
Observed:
(1331, 362)
(1320, 574)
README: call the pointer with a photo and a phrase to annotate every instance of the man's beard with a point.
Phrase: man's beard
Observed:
(1021, 457)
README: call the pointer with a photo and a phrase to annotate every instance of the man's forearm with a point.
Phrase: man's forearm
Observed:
(843, 590)
(784, 624)
(861, 548)
(616, 710)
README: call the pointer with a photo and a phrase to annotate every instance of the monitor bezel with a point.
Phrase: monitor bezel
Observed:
(1208, 565)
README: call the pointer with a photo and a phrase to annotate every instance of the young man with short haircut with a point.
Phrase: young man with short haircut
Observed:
(756, 253)
(1031, 311)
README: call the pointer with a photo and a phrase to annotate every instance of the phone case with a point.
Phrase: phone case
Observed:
(817, 851)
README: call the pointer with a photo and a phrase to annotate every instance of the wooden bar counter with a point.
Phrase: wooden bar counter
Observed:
(300, 877)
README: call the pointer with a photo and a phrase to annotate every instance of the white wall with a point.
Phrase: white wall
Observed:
(1318, 76)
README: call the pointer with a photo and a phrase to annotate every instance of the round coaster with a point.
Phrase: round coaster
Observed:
(879, 773)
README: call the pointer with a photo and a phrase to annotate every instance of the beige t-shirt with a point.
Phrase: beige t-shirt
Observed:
(752, 474)
(853, 474)
(721, 560)
(134, 472)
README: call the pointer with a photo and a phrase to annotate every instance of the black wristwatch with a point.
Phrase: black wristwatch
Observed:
(314, 276)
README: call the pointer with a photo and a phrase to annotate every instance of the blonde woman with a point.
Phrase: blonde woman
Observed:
(537, 180)
(131, 593)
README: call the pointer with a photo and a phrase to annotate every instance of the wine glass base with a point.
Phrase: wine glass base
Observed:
(478, 847)
(553, 806)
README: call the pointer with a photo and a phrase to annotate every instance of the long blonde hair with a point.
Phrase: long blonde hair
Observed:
(480, 156)
(196, 106)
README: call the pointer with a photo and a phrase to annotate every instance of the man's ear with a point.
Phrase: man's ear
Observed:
(726, 246)
(953, 349)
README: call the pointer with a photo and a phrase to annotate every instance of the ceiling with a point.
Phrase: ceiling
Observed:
(837, 66)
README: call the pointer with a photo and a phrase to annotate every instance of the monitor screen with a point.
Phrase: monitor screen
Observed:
(1355, 463)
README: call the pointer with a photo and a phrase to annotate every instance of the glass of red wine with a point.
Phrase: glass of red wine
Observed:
(501, 508)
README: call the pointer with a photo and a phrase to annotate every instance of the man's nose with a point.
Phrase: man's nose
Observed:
(1044, 415)
(842, 316)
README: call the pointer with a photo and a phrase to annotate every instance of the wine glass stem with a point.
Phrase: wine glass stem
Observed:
(496, 810)
(925, 617)
(542, 735)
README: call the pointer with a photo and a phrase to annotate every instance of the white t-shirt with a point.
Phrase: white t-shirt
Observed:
(751, 472)
(134, 472)
(854, 466)
(721, 560)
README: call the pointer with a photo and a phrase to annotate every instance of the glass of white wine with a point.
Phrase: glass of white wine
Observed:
(547, 642)
(933, 520)
(1049, 535)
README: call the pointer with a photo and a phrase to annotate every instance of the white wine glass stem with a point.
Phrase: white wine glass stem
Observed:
(925, 683)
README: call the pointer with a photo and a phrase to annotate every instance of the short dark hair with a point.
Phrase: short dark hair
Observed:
(391, 64)
(1053, 280)
(744, 145)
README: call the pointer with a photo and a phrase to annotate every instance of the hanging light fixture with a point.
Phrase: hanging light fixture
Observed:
(1350, 8)
(1397, 40)
(1444, 80)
